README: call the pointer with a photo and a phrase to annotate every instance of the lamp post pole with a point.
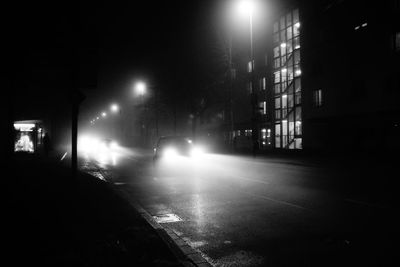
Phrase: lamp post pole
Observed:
(142, 126)
(231, 92)
(253, 93)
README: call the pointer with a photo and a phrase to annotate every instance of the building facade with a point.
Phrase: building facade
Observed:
(324, 75)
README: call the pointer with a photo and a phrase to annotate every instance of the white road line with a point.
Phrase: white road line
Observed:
(248, 179)
(278, 201)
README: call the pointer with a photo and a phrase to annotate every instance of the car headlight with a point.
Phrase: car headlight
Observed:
(170, 152)
(196, 151)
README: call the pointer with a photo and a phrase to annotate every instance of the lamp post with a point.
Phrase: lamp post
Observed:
(247, 6)
(114, 108)
(140, 89)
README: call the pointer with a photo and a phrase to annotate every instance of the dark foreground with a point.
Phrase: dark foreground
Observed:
(52, 220)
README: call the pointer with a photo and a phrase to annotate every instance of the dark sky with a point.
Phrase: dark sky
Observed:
(174, 45)
(158, 41)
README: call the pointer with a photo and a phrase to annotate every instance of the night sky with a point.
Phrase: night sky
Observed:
(167, 44)
(180, 47)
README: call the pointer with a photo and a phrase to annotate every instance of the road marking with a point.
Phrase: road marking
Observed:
(279, 201)
(252, 180)
(271, 199)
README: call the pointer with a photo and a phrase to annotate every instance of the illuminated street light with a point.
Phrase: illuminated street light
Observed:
(246, 7)
(140, 88)
(114, 108)
(104, 114)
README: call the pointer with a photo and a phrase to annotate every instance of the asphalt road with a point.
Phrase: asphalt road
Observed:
(275, 211)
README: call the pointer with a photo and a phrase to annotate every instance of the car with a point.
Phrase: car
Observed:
(107, 144)
(172, 146)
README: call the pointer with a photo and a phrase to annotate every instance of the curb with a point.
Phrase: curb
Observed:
(185, 253)
(188, 256)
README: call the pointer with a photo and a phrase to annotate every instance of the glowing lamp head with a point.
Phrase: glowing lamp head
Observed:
(103, 114)
(140, 88)
(114, 108)
(246, 7)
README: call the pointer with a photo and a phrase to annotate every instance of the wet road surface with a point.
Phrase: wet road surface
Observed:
(244, 211)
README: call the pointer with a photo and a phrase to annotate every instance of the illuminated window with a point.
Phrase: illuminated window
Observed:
(250, 66)
(289, 19)
(317, 98)
(263, 83)
(287, 77)
(296, 43)
(263, 107)
(277, 77)
(277, 63)
(277, 103)
(397, 42)
(276, 52)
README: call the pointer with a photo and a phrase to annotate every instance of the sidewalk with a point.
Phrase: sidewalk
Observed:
(50, 220)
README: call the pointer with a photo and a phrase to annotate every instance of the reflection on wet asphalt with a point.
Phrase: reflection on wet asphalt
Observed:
(239, 211)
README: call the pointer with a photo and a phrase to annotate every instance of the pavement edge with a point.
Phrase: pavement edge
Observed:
(188, 256)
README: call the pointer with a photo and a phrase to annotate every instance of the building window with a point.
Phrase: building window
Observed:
(276, 52)
(277, 63)
(263, 107)
(263, 83)
(397, 42)
(250, 66)
(248, 132)
(287, 81)
(277, 77)
(317, 98)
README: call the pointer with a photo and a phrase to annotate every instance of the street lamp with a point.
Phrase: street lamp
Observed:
(114, 108)
(140, 89)
(103, 114)
(247, 8)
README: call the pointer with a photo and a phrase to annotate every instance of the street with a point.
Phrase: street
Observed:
(264, 211)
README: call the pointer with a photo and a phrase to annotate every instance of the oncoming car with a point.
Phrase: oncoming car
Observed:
(170, 147)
